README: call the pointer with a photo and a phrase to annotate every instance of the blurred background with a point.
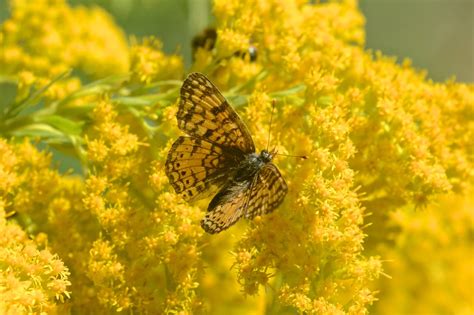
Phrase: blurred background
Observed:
(437, 35)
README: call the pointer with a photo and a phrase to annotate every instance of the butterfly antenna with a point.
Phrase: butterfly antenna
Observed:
(274, 151)
(271, 120)
(304, 157)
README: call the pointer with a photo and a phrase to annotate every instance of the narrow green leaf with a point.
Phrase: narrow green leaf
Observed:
(98, 87)
(291, 91)
(324, 101)
(133, 101)
(43, 131)
(34, 98)
(63, 124)
(8, 90)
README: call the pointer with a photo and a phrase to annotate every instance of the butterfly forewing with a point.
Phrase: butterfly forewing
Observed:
(205, 113)
(193, 165)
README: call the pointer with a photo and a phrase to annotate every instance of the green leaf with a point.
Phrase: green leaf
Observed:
(291, 91)
(65, 125)
(35, 97)
(8, 90)
(238, 100)
(102, 86)
(324, 101)
(43, 131)
(133, 101)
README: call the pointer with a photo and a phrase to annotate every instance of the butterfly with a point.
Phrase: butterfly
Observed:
(219, 153)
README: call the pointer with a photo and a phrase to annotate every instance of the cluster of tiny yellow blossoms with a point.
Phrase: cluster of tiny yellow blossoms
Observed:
(147, 257)
(149, 64)
(432, 255)
(383, 143)
(32, 278)
(310, 250)
(379, 136)
(43, 39)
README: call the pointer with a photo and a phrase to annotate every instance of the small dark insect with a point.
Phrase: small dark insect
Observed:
(219, 152)
(207, 40)
(251, 54)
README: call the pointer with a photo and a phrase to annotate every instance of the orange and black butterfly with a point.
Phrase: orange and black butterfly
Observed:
(219, 153)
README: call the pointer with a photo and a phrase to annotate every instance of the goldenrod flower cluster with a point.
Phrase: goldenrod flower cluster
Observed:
(32, 278)
(43, 39)
(377, 219)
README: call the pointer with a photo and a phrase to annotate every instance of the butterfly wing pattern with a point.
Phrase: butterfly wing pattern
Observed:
(267, 193)
(194, 165)
(219, 153)
(248, 199)
(204, 113)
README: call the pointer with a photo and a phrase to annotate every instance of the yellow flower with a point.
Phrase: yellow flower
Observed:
(150, 64)
(45, 39)
(431, 259)
(359, 125)
(381, 140)
(31, 280)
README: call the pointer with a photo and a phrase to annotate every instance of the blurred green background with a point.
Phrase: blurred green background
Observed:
(437, 35)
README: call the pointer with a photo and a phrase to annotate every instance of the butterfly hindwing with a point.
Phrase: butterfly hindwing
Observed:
(260, 195)
(204, 113)
(227, 206)
(193, 165)
(267, 192)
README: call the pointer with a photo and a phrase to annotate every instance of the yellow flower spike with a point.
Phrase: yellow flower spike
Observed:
(158, 180)
(45, 39)
(98, 150)
(225, 9)
(381, 139)
(149, 225)
(150, 64)
(231, 42)
(258, 112)
(202, 59)
(34, 280)
(434, 241)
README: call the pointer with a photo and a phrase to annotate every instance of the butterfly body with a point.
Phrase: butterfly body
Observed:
(219, 152)
(251, 164)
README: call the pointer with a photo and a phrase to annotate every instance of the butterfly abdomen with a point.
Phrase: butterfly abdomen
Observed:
(248, 167)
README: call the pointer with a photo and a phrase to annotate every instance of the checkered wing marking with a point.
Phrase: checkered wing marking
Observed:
(226, 207)
(204, 113)
(194, 165)
(249, 199)
(267, 192)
